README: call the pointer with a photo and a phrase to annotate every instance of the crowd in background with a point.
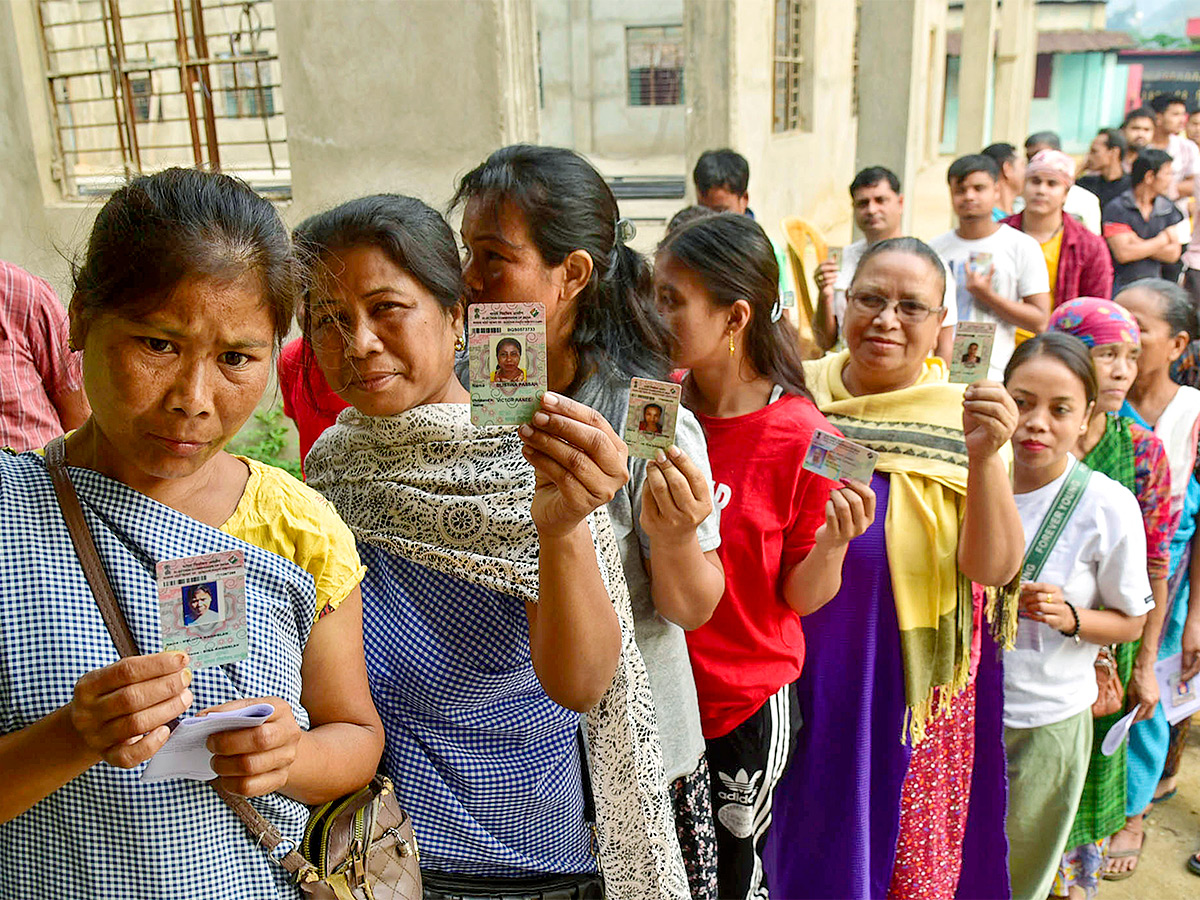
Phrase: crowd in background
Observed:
(713, 673)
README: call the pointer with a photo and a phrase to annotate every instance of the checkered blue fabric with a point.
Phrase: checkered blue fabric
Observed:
(106, 834)
(485, 763)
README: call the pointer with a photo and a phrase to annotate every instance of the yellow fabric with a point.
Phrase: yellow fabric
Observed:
(927, 489)
(284, 516)
(523, 377)
(1051, 250)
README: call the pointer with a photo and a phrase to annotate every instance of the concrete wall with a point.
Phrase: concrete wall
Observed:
(381, 95)
(901, 76)
(585, 79)
(401, 95)
(1051, 15)
(38, 230)
(801, 173)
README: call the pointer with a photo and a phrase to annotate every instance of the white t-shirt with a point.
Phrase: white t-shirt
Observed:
(1020, 270)
(851, 254)
(1186, 158)
(1098, 561)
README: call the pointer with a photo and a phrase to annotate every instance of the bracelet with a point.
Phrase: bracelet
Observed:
(1073, 633)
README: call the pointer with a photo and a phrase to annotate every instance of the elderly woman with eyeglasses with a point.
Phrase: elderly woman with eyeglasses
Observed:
(901, 692)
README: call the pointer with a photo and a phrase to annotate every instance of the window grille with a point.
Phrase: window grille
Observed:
(140, 85)
(790, 106)
(655, 63)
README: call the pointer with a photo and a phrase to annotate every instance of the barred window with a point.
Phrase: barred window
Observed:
(655, 63)
(141, 85)
(792, 81)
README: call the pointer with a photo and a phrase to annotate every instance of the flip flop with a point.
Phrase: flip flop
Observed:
(1163, 798)
(1194, 863)
(1125, 854)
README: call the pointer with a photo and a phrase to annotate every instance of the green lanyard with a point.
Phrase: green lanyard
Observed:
(1055, 520)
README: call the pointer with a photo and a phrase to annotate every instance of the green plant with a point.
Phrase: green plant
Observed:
(268, 441)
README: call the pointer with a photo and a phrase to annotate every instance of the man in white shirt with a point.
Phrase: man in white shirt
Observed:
(1081, 204)
(878, 206)
(1170, 120)
(1001, 273)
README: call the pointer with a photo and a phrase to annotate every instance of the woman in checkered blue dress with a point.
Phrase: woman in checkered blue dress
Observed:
(185, 291)
(496, 615)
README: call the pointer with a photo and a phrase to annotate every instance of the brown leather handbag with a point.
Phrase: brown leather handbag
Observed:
(358, 847)
(1111, 694)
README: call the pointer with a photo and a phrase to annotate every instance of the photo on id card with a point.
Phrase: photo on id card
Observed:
(202, 607)
(507, 362)
(837, 459)
(972, 354)
(653, 412)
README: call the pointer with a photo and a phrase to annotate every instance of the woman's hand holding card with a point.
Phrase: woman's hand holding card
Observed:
(580, 462)
(255, 761)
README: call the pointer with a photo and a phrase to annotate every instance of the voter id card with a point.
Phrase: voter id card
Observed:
(972, 353)
(838, 459)
(202, 607)
(653, 412)
(506, 347)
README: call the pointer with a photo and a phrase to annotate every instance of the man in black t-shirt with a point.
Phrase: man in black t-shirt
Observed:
(1106, 176)
(1137, 223)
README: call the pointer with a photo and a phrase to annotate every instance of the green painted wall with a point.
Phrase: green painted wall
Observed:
(1087, 93)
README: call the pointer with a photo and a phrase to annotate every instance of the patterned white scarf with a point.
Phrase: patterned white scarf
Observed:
(431, 488)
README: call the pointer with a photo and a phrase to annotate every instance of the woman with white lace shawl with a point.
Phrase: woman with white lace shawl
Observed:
(495, 607)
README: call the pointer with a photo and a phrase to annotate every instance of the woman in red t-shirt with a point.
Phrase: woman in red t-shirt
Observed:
(784, 530)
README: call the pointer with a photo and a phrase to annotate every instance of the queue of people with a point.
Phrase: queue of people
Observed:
(709, 673)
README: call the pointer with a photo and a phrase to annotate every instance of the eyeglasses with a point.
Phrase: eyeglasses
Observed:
(910, 312)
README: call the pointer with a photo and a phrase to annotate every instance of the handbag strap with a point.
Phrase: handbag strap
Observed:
(264, 832)
(1055, 520)
(85, 549)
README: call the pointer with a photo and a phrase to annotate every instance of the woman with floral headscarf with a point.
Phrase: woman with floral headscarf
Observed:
(1131, 455)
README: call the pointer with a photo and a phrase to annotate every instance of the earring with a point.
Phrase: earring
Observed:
(731, 347)
(459, 344)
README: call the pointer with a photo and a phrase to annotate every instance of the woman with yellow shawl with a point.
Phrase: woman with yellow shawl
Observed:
(902, 690)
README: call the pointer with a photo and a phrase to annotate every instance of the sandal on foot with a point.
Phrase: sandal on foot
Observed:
(1163, 798)
(1125, 854)
(1193, 863)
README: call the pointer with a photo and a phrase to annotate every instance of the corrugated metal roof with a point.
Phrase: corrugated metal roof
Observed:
(1076, 40)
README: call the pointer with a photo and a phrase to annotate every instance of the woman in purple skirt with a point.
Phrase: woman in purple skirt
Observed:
(896, 788)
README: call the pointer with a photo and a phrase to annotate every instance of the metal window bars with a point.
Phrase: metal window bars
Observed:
(789, 67)
(654, 61)
(141, 85)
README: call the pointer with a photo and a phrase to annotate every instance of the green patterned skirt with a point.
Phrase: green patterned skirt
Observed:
(1102, 808)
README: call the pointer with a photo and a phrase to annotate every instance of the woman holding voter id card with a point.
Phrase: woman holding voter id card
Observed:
(1083, 584)
(902, 673)
(186, 289)
(784, 532)
(495, 603)
(541, 225)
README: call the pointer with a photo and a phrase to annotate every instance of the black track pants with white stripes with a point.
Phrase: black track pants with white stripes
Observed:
(745, 766)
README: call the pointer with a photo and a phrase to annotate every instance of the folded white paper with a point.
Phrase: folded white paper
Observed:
(1117, 734)
(1179, 698)
(185, 754)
